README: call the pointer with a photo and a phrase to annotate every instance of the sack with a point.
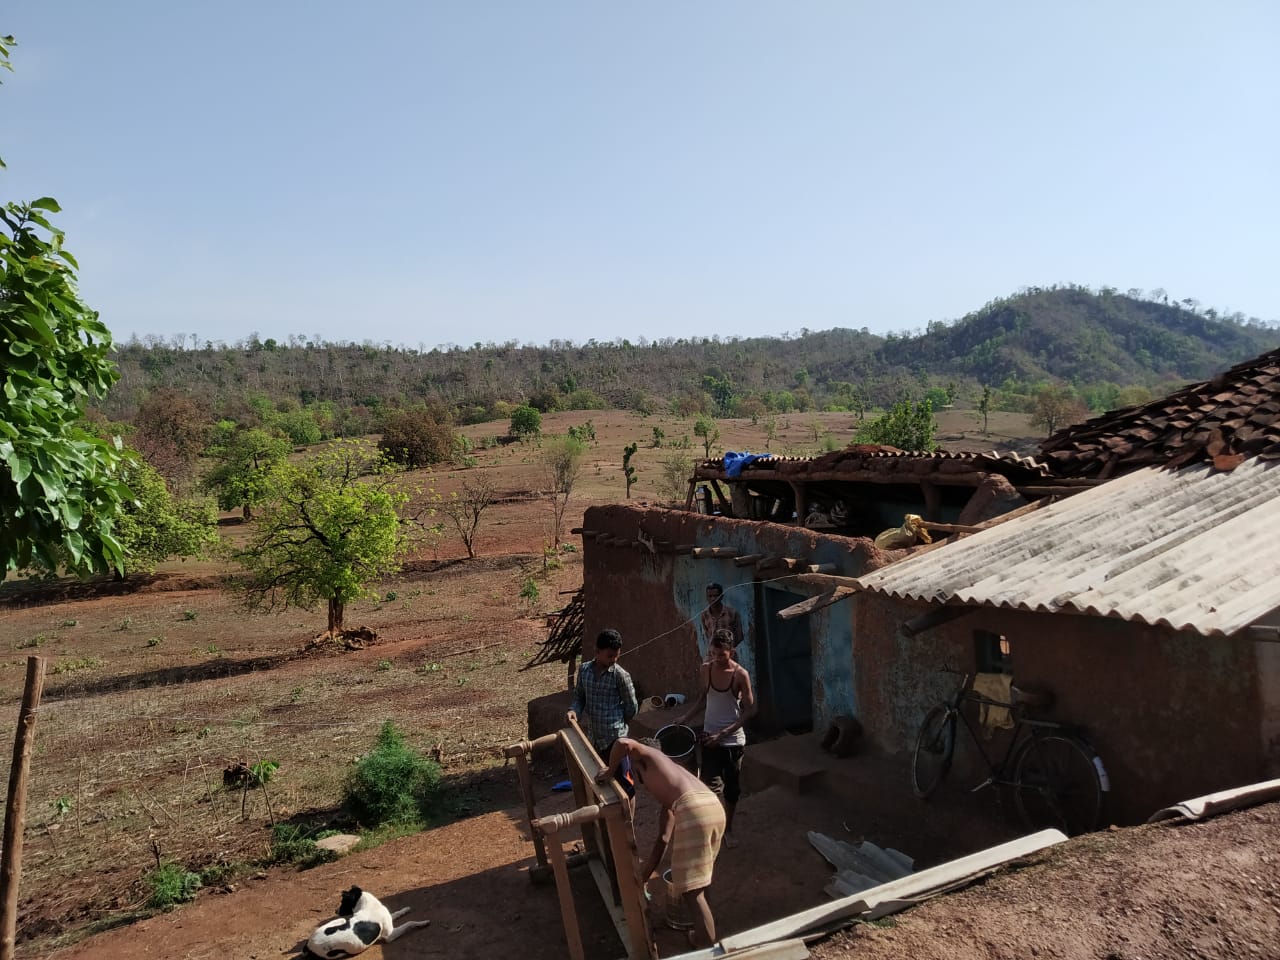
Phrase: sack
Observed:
(909, 534)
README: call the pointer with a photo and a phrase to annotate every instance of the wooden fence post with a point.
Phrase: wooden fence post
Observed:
(15, 808)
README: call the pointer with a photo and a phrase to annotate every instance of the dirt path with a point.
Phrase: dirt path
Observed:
(1207, 890)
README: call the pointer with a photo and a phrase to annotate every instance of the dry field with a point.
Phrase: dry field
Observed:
(156, 685)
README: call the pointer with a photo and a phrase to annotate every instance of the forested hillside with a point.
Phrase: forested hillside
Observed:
(1097, 343)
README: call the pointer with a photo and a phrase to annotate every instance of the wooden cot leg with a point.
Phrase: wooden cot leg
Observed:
(568, 912)
(622, 839)
(526, 788)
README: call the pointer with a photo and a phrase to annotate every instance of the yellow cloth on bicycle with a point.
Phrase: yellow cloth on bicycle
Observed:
(995, 686)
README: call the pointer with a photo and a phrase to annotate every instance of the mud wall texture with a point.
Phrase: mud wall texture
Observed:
(655, 598)
(1173, 715)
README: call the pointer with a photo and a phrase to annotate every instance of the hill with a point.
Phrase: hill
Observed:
(1078, 336)
(1099, 342)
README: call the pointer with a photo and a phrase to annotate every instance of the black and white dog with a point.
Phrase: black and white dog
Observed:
(362, 921)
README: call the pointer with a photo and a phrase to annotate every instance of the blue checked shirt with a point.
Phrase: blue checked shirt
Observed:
(607, 701)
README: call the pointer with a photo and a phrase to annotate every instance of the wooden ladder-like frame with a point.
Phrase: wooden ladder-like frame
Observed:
(604, 814)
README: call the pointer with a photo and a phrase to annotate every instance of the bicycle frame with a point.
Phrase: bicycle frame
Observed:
(1024, 729)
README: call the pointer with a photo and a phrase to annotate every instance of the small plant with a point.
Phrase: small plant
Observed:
(190, 614)
(461, 681)
(63, 805)
(529, 590)
(393, 783)
(391, 595)
(126, 623)
(384, 665)
(628, 471)
(430, 668)
(70, 623)
(171, 884)
(31, 642)
(203, 732)
(291, 843)
(154, 641)
(80, 663)
(658, 435)
(213, 650)
(295, 695)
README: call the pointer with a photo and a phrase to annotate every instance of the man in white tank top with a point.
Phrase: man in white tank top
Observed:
(730, 703)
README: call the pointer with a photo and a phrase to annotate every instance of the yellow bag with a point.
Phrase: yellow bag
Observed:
(909, 534)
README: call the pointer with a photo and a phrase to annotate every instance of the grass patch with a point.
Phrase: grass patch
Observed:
(171, 884)
(296, 844)
(80, 663)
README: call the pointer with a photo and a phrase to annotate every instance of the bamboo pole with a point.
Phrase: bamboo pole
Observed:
(15, 808)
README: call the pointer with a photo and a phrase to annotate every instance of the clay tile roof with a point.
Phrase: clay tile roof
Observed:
(866, 459)
(1234, 415)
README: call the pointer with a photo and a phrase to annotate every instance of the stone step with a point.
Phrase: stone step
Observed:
(794, 762)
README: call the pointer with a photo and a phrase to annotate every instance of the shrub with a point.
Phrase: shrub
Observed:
(171, 884)
(417, 437)
(526, 421)
(393, 783)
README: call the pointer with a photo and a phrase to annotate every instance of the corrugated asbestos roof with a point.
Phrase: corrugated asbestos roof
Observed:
(1191, 549)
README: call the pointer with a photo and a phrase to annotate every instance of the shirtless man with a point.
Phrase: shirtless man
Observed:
(692, 822)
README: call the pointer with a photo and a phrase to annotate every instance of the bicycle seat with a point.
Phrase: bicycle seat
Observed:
(1036, 699)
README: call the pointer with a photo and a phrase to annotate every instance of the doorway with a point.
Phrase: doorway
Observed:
(785, 664)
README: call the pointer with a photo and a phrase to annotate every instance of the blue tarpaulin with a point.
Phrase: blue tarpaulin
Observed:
(734, 462)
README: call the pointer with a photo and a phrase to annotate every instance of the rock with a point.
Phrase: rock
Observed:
(339, 843)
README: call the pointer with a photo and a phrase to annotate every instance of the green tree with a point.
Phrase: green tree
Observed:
(560, 464)
(673, 480)
(61, 487)
(242, 474)
(155, 525)
(334, 528)
(984, 408)
(525, 422)
(907, 426)
(628, 471)
(705, 429)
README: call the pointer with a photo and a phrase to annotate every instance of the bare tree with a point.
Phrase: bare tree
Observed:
(465, 508)
(561, 463)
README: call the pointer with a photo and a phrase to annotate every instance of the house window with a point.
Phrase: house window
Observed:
(992, 652)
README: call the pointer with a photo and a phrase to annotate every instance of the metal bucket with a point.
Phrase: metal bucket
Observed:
(679, 743)
(673, 906)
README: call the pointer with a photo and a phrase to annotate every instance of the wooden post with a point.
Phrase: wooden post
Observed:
(526, 788)
(15, 809)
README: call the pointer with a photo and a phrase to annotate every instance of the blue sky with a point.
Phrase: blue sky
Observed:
(485, 171)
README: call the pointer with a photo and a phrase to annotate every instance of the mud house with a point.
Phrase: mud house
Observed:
(1129, 569)
(646, 568)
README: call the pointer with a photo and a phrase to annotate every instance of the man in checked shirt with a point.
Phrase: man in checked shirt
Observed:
(605, 697)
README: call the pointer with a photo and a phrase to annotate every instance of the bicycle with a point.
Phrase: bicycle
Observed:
(1057, 778)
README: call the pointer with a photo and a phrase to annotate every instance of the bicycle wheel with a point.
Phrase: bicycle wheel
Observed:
(935, 746)
(1056, 785)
